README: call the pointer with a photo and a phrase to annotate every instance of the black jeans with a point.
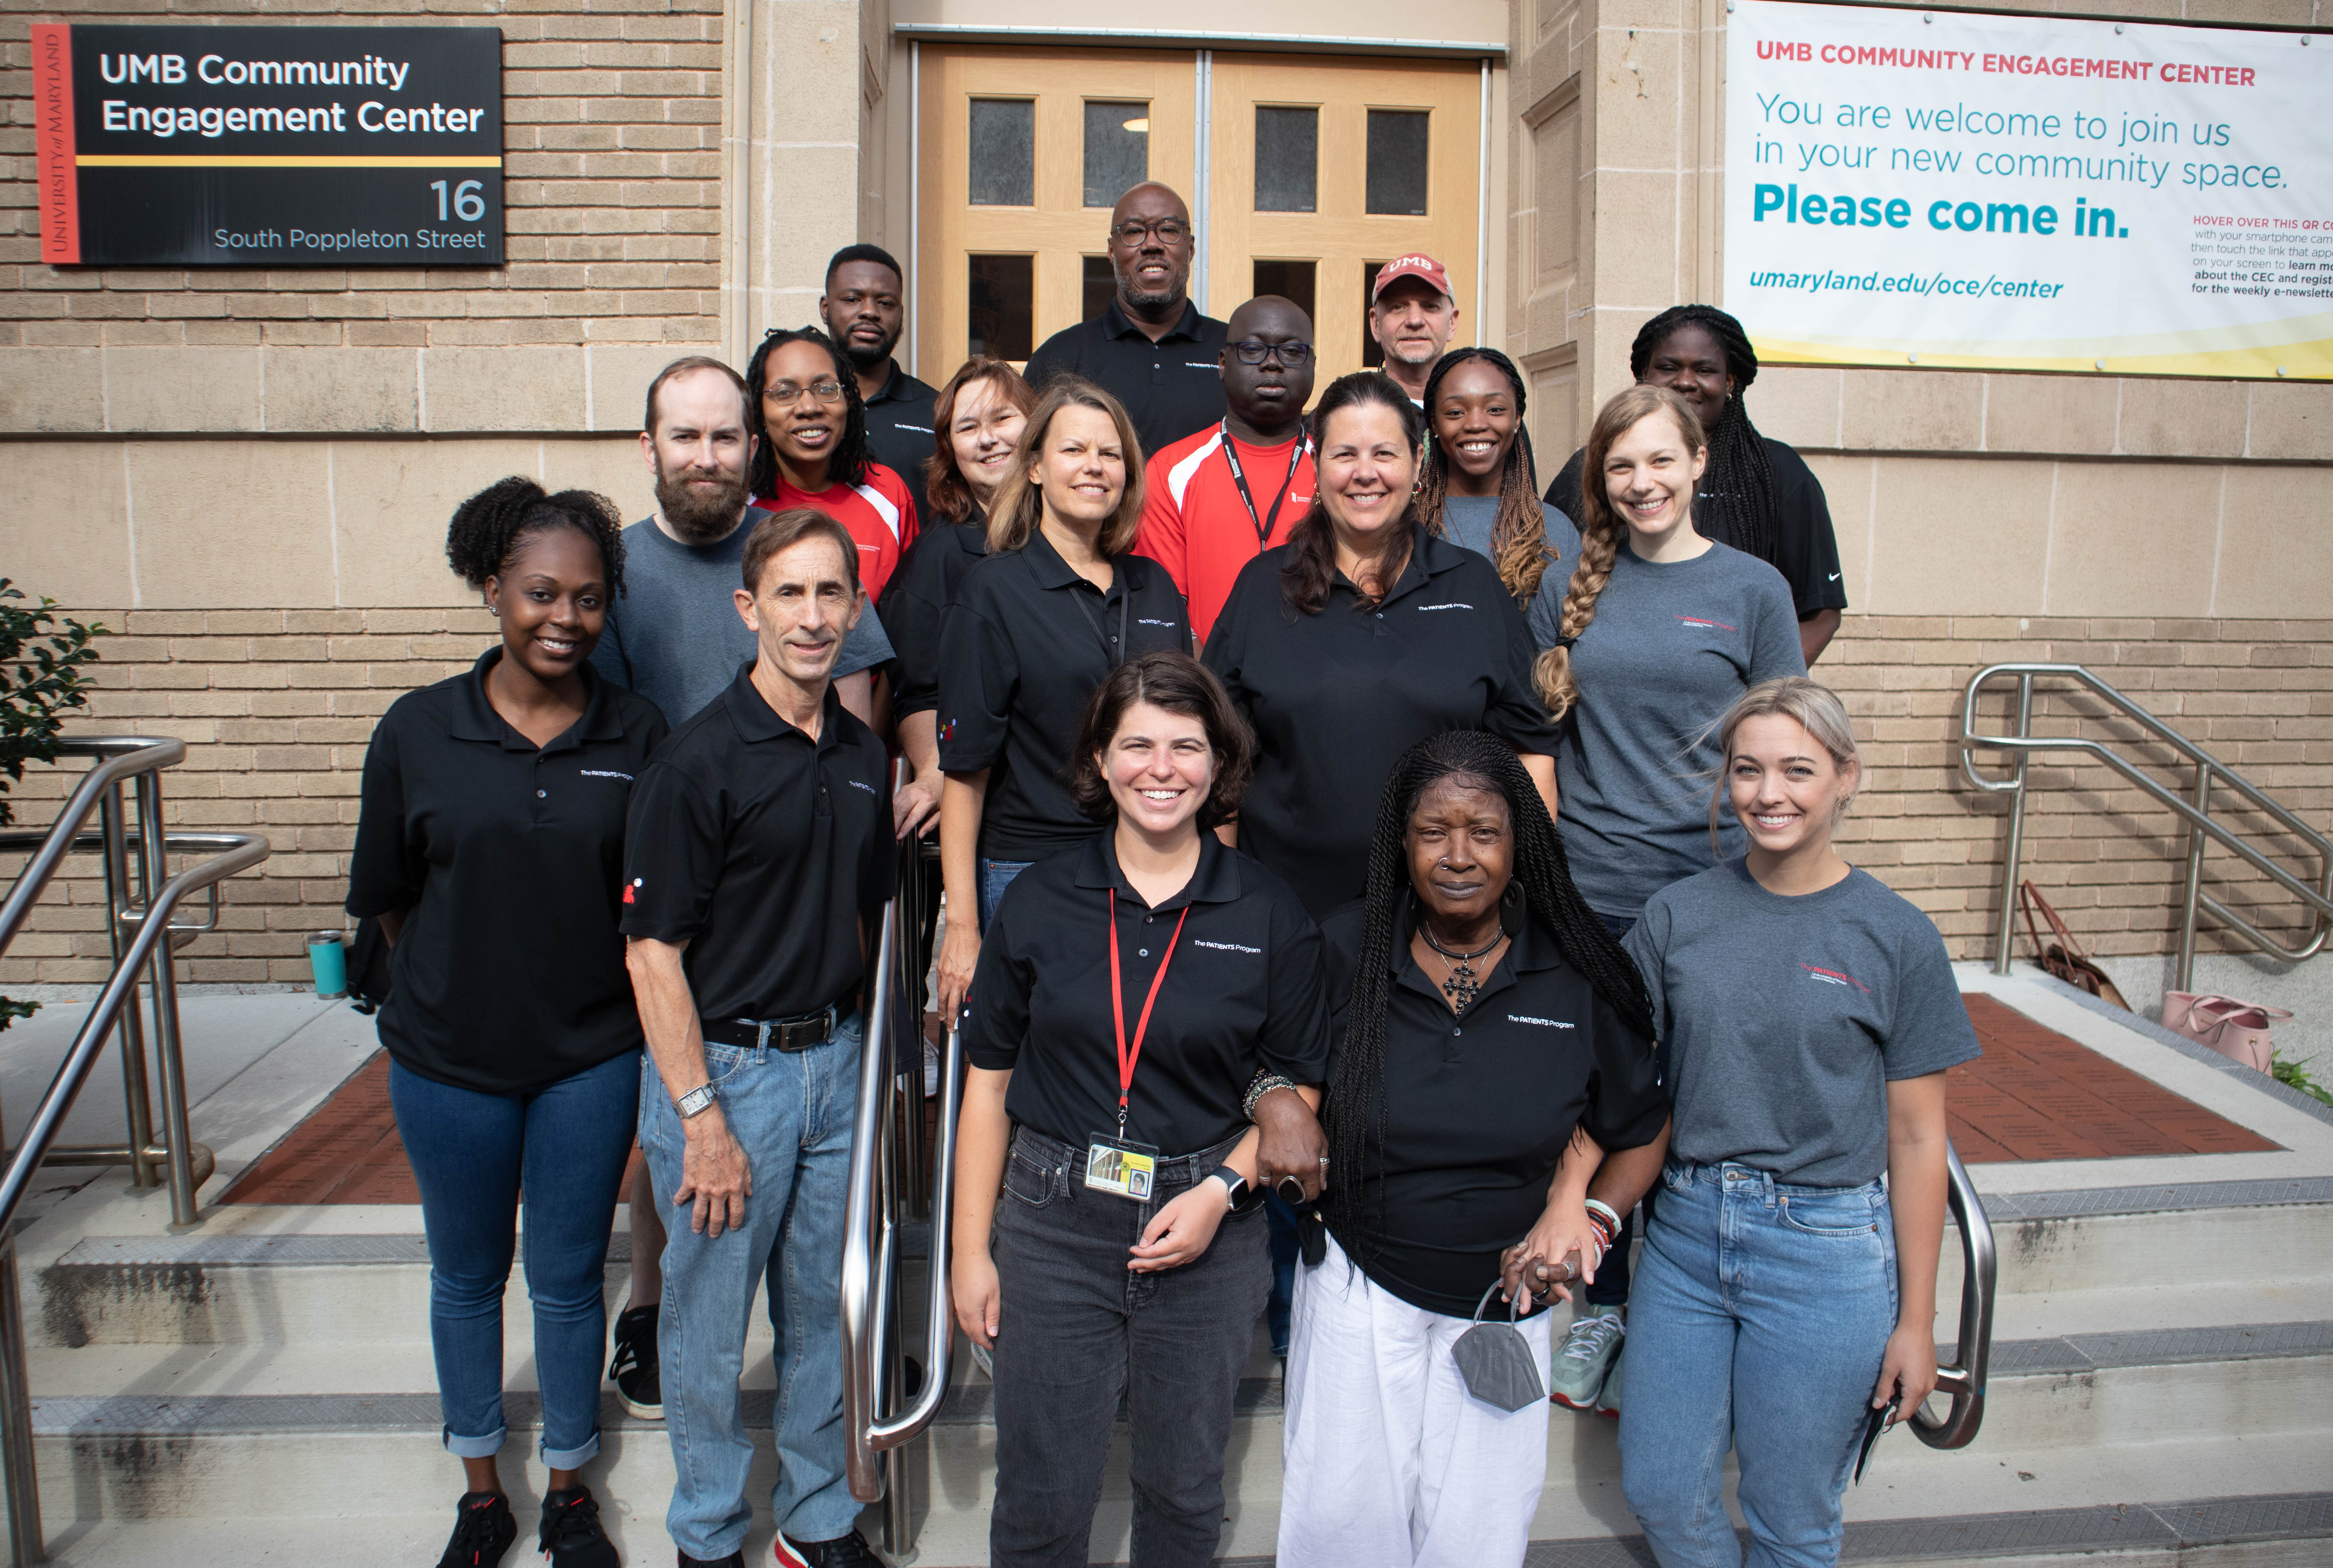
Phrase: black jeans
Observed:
(1077, 1330)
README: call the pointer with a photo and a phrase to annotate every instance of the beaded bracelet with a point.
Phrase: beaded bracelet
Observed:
(1262, 1084)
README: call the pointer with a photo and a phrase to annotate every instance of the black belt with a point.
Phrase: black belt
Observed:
(785, 1034)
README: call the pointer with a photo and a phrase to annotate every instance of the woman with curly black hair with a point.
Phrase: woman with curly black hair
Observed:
(490, 846)
(810, 428)
(1490, 1042)
(1757, 494)
(1479, 486)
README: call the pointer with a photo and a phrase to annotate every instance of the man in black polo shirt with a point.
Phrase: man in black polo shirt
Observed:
(759, 850)
(1151, 350)
(864, 315)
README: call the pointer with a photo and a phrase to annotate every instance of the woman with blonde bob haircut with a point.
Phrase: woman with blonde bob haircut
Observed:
(1657, 633)
(1785, 1293)
(1032, 629)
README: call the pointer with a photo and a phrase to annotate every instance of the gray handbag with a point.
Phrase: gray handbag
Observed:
(1494, 1362)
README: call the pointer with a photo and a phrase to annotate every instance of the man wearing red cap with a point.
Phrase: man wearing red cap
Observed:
(1412, 315)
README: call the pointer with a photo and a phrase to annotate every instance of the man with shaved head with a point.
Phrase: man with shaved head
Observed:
(1151, 350)
(1216, 499)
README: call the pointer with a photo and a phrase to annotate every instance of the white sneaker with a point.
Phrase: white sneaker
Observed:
(1585, 1355)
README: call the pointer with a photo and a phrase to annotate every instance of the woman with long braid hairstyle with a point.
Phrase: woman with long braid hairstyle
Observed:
(1659, 630)
(1758, 496)
(1479, 488)
(1490, 1042)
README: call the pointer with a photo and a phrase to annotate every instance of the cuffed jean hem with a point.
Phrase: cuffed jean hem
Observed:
(570, 1458)
(483, 1448)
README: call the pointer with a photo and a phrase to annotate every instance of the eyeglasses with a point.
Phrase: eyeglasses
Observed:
(827, 391)
(1292, 355)
(1134, 231)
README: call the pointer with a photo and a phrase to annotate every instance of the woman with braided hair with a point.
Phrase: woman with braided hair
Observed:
(490, 845)
(809, 426)
(1657, 633)
(1479, 488)
(1758, 494)
(1489, 1043)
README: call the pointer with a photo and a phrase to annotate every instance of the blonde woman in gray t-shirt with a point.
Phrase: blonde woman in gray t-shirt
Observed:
(1785, 1294)
(1656, 633)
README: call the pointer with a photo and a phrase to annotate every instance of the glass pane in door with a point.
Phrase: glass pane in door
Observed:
(1398, 161)
(1293, 281)
(1117, 150)
(1372, 356)
(1001, 292)
(1099, 283)
(1287, 159)
(1004, 143)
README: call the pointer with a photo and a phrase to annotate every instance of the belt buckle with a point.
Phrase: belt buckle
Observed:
(797, 1037)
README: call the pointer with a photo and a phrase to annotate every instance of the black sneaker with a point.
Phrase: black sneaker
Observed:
(734, 1560)
(634, 1368)
(843, 1551)
(570, 1536)
(483, 1531)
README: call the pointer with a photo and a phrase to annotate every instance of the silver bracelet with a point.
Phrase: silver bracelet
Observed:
(1264, 1085)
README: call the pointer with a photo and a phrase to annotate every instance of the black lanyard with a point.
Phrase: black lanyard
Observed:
(1263, 524)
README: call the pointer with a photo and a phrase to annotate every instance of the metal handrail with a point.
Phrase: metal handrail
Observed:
(2203, 827)
(116, 763)
(1962, 1379)
(239, 851)
(873, 1210)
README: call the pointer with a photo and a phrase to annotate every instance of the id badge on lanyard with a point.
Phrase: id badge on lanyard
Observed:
(1113, 1164)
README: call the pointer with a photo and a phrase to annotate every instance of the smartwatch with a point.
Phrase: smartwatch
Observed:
(696, 1102)
(1234, 1184)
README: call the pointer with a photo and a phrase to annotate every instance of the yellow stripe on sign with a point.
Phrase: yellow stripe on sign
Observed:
(239, 160)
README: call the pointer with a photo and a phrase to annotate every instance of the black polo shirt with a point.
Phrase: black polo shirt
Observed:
(1479, 1106)
(509, 974)
(917, 598)
(1806, 548)
(1336, 698)
(899, 431)
(1244, 993)
(1022, 648)
(761, 849)
(1170, 387)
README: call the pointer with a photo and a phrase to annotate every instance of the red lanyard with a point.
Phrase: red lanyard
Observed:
(1127, 1055)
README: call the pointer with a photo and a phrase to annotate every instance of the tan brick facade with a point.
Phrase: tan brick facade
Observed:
(612, 138)
(277, 705)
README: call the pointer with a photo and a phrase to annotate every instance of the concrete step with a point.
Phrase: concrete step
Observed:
(2069, 1260)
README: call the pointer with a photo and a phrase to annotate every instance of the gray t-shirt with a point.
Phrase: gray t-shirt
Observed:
(674, 635)
(1670, 648)
(1469, 520)
(1786, 1018)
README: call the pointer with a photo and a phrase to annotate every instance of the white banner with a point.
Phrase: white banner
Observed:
(2026, 193)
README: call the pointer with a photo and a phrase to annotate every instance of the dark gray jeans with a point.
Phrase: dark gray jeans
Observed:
(1077, 1330)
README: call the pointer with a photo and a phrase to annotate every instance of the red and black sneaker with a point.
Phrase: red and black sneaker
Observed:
(843, 1551)
(483, 1531)
(570, 1536)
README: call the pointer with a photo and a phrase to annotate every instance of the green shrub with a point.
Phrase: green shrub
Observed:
(44, 673)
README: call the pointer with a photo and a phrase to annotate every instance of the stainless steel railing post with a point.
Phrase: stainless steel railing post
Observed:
(2183, 971)
(26, 1542)
(179, 1137)
(1962, 1380)
(137, 1096)
(2013, 851)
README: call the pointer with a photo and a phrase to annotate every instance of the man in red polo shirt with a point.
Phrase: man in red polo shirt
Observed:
(1217, 498)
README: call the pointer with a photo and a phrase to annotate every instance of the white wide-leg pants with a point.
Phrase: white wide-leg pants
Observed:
(1389, 1463)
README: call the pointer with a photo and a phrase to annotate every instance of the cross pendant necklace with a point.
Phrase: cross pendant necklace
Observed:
(1464, 984)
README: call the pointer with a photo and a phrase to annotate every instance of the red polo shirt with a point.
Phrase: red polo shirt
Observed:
(879, 513)
(1194, 524)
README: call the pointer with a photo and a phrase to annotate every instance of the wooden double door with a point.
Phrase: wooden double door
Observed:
(1317, 171)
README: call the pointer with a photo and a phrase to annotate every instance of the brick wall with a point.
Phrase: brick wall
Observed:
(277, 704)
(612, 114)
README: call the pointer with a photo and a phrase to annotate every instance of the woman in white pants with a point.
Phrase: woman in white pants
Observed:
(1490, 1042)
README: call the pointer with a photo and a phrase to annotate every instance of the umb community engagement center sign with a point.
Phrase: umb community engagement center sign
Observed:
(2027, 193)
(268, 146)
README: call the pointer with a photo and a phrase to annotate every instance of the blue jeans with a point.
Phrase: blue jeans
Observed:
(564, 1146)
(791, 1112)
(995, 876)
(1761, 1314)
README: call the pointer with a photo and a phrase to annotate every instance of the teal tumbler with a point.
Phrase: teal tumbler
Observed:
(328, 961)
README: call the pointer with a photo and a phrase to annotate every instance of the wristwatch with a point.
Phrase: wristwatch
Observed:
(696, 1102)
(1234, 1184)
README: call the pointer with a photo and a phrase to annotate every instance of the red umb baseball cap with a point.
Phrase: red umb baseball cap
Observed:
(1413, 266)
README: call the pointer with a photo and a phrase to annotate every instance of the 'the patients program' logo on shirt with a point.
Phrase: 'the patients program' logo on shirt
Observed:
(1834, 977)
(1705, 621)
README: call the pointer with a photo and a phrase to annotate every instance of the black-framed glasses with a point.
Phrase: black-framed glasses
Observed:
(1134, 231)
(1292, 355)
(826, 391)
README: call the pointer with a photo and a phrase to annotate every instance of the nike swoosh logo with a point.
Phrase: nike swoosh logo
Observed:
(1834, 577)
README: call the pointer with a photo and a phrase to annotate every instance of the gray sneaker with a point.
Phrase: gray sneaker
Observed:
(1587, 1353)
(1607, 1401)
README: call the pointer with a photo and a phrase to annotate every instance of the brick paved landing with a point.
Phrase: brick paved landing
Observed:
(2033, 1095)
